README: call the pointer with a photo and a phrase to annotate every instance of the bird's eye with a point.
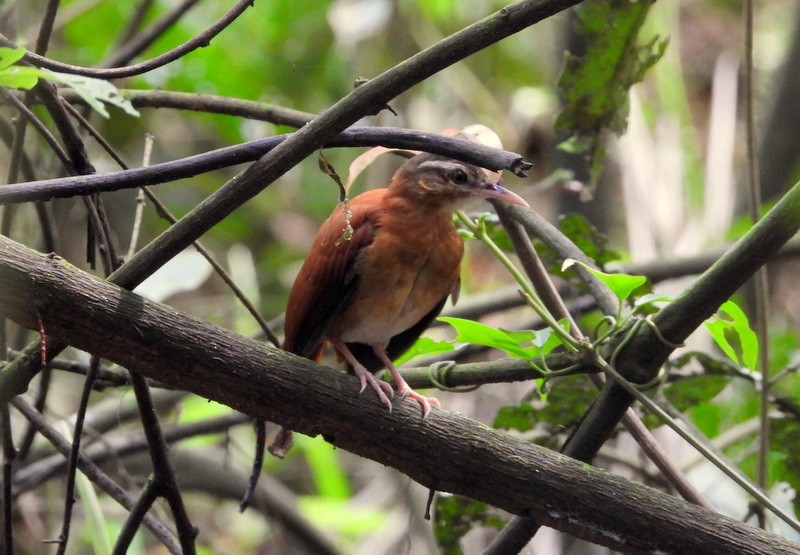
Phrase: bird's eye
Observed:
(458, 176)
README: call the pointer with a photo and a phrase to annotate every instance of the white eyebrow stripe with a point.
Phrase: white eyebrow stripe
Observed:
(440, 165)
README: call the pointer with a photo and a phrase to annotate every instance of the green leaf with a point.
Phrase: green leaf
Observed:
(573, 145)
(454, 516)
(650, 299)
(567, 399)
(515, 417)
(622, 285)
(748, 341)
(546, 340)
(14, 76)
(476, 333)
(737, 329)
(425, 346)
(587, 238)
(595, 86)
(688, 393)
(784, 438)
(718, 329)
(94, 92)
(327, 472)
(9, 56)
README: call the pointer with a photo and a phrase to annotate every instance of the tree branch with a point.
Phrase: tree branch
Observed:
(199, 41)
(393, 137)
(447, 451)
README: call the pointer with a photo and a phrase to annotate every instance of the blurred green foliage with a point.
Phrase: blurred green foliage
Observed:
(307, 55)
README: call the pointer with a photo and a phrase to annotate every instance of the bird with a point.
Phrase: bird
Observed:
(381, 268)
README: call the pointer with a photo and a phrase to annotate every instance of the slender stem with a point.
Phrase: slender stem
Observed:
(72, 463)
(140, 200)
(733, 473)
(530, 294)
(760, 282)
(194, 43)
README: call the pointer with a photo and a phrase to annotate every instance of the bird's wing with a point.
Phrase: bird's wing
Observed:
(328, 278)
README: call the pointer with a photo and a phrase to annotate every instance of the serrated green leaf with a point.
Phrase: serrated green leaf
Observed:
(622, 285)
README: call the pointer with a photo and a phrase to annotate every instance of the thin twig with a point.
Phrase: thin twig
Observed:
(140, 200)
(199, 41)
(97, 476)
(164, 212)
(37, 124)
(46, 189)
(164, 480)
(760, 281)
(72, 461)
(9, 454)
(132, 46)
(135, 21)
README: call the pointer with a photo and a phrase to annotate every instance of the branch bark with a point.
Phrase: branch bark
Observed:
(447, 451)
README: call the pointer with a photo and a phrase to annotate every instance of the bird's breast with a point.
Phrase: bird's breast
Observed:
(402, 276)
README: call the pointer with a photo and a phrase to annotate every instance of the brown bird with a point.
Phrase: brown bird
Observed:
(372, 295)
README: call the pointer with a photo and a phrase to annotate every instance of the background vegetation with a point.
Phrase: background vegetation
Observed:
(664, 200)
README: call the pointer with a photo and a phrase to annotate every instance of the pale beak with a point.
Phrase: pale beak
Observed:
(497, 191)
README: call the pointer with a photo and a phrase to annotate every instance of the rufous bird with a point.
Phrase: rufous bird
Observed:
(371, 295)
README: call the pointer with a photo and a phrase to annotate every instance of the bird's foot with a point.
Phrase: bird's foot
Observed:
(425, 403)
(382, 389)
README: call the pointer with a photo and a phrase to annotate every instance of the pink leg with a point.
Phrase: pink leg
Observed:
(402, 387)
(382, 389)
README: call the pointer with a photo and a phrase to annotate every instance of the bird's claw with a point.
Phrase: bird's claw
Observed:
(425, 403)
(382, 389)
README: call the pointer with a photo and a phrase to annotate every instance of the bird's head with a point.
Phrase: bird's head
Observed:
(443, 181)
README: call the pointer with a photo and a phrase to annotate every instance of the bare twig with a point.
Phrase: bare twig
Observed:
(760, 281)
(96, 475)
(72, 460)
(132, 46)
(201, 40)
(140, 199)
(190, 166)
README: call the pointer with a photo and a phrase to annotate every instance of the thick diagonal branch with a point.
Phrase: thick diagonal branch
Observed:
(447, 451)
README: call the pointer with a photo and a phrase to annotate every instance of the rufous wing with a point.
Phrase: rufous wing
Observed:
(328, 278)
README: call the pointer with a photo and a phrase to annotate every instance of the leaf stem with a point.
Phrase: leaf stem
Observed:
(530, 296)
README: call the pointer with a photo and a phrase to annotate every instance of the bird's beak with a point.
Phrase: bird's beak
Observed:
(497, 191)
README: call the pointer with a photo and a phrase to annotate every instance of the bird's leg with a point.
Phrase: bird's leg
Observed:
(402, 387)
(382, 389)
